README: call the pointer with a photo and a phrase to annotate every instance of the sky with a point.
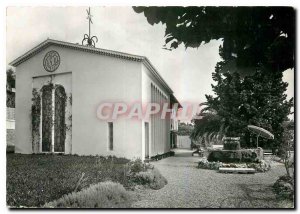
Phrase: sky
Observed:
(187, 71)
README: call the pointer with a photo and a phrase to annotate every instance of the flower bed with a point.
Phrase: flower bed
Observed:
(261, 166)
(161, 156)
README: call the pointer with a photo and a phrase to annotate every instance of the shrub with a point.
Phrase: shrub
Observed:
(248, 155)
(151, 178)
(10, 148)
(225, 156)
(234, 156)
(232, 145)
(137, 165)
(284, 187)
(101, 195)
(261, 166)
(205, 164)
(145, 174)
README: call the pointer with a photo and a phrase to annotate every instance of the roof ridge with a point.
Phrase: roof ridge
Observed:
(94, 48)
(101, 51)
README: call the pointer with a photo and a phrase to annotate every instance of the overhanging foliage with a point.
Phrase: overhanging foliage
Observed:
(252, 36)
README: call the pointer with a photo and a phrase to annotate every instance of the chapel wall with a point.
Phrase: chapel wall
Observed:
(95, 79)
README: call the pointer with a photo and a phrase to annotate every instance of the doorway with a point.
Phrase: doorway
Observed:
(146, 140)
(53, 118)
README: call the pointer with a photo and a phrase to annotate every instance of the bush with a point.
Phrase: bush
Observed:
(248, 155)
(137, 165)
(10, 149)
(101, 195)
(232, 145)
(261, 166)
(284, 187)
(205, 164)
(224, 156)
(144, 174)
(151, 178)
(234, 156)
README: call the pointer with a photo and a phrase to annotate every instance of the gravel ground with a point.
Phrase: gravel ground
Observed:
(190, 187)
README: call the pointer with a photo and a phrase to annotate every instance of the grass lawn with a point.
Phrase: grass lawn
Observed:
(33, 180)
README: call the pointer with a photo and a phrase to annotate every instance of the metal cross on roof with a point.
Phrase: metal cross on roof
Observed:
(87, 39)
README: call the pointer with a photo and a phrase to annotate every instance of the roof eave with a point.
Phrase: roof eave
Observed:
(117, 54)
(174, 100)
(29, 53)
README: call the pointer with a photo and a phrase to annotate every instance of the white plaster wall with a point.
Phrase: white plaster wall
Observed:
(147, 79)
(95, 79)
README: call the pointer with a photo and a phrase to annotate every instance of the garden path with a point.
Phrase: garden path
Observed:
(190, 187)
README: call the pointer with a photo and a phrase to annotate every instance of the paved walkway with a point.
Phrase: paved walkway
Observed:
(190, 187)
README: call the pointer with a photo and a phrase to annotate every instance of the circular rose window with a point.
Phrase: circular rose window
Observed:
(51, 61)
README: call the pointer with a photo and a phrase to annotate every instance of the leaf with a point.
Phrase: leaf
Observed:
(174, 45)
(169, 39)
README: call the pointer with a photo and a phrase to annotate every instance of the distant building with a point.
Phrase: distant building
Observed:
(10, 126)
(10, 112)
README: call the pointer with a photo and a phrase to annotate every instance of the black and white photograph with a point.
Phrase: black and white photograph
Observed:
(141, 107)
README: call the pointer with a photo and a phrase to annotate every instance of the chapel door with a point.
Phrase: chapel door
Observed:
(53, 118)
(47, 115)
(59, 119)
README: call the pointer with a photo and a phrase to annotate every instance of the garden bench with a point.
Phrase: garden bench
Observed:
(237, 170)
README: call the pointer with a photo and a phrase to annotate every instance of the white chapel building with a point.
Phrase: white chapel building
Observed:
(59, 88)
